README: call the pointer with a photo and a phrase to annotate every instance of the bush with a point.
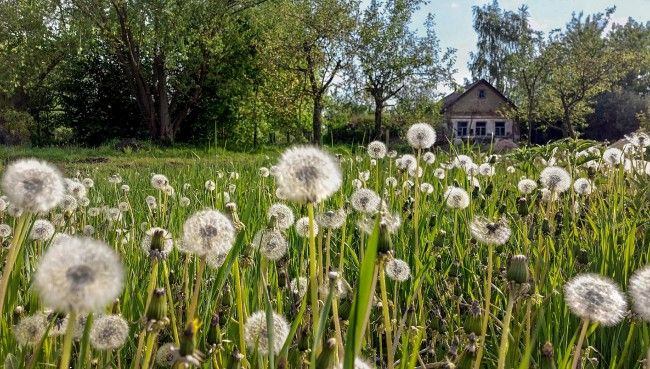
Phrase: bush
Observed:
(15, 127)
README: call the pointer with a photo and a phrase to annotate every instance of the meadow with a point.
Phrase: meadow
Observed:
(355, 257)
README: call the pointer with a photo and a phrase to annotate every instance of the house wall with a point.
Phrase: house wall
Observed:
(510, 128)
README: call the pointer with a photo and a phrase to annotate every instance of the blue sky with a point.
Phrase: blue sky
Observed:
(454, 19)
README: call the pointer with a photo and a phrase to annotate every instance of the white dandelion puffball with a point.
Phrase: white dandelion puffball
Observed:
(391, 182)
(88, 230)
(613, 156)
(184, 201)
(208, 231)
(79, 274)
(88, 182)
(421, 136)
(166, 355)
(555, 179)
(264, 172)
(109, 332)
(283, 215)
(358, 364)
(429, 157)
(510, 169)
(456, 197)
(357, 183)
(157, 243)
(5, 230)
(42, 230)
(377, 150)
(33, 185)
(75, 188)
(426, 188)
(639, 289)
(331, 219)
(125, 188)
(299, 286)
(639, 139)
(594, 297)
(583, 186)
(486, 169)
(115, 179)
(271, 243)
(439, 173)
(215, 260)
(398, 270)
(462, 161)
(406, 161)
(302, 227)
(30, 330)
(308, 174)
(257, 336)
(491, 233)
(526, 186)
(210, 185)
(365, 201)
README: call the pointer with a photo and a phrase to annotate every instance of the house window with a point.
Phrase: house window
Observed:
(499, 129)
(480, 128)
(481, 94)
(461, 129)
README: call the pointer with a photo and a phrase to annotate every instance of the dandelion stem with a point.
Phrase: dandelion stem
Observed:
(386, 314)
(240, 305)
(486, 311)
(153, 281)
(313, 282)
(581, 338)
(67, 341)
(505, 332)
(151, 340)
(197, 290)
(14, 251)
(170, 302)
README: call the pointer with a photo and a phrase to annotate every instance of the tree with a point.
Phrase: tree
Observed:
(392, 57)
(499, 33)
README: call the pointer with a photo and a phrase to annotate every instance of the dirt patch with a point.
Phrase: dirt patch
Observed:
(96, 160)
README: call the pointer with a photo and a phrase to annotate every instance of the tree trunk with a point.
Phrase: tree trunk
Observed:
(317, 120)
(165, 129)
(379, 109)
(567, 126)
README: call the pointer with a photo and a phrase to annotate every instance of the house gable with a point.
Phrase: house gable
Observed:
(480, 98)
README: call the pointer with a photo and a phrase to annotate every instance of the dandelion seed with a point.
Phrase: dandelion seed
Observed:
(583, 186)
(526, 186)
(490, 233)
(307, 174)
(78, 274)
(151, 202)
(377, 150)
(124, 206)
(256, 333)
(271, 243)
(30, 330)
(33, 185)
(69, 203)
(639, 289)
(613, 156)
(94, 212)
(208, 231)
(299, 286)
(283, 215)
(415, 171)
(42, 230)
(391, 182)
(109, 332)
(365, 201)
(398, 270)
(456, 197)
(74, 188)
(405, 162)
(341, 288)
(364, 176)
(421, 136)
(302, 227)
(462, 162)
(593, 297)
(84, 202)
(113, 215)
(88, 230)
(169, 191)
(555, 179)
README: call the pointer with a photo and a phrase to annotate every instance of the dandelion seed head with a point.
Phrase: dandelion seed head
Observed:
(639, 139)
(302, 227)
(109, 332)
(555, 179)
(42, 230)
(157, 243)
(115, 179)
(365, 200)
(208, 231)
(377, 150)
(33, 185)
(256, 333)
(271, 243)
(398, 270)
(264, 172)
(125, 188)
(166, 355)
(78, 274)
(299, 286)
(69, 203)
(215, 260)
(488, 232)
(421, 136)
(210, 185)
(308, 174)
(113, 215)
(406, 161)
(462, 161)
(75, 188)
(357, 183)
(526, 186)
(14, 210)
(456, 197)
(639, 289)
(613, 156)
(594, 297)
(30, 330)
(5, 230)
(429, 157)
(283, 215)
(486, 169)
(88, 230)
(426, 188)
(331, 219)
(124, 206)
(439, 173)
(583, 186)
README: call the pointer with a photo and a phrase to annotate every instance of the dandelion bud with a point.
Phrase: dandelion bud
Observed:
(158, 306)
(214, 333)
(385, 243)
(522, 206)
(235, 359)
(188, 340)
(518, 269)
(547, 356)
(546, 227)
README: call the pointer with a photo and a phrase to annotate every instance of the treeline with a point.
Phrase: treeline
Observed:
(251, 72)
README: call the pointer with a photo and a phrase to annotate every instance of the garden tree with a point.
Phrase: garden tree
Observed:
(584, 64)
(499, 33)
(313, 39)
(634, 37)
(392, 57)
(166, 49)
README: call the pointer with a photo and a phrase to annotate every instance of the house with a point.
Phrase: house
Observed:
(477, 114)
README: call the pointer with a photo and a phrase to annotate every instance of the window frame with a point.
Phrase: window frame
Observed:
(481, 93)
(502, 128)
(464, 125)
(480, 131)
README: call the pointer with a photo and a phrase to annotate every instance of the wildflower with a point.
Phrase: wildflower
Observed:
(271, 244)
(257, 336)
(639, 289)
(210, 185)
(526, 186)
(109, 332)
(307, 174)
(613, 156)
(583, 186)
(298, 286)
(79, 274)
(157, 243)
(124, 206)
(429, 157)
(208, 231)
(415, 171)
(30, 329)
(398, 270)
(302, 227)
(42, 230)
(169, 191)
(491, 233)
(376, 150)
(462, 161)
(593, 297)
(421, 136)
(5, 230)
(439, 173)
(113, 215)
(555, 179)
(283, 215)
(639, 139)
(331, 219)
(365, 201)
(456, 197)
(357, 183)
(151, 202)
(33, 185)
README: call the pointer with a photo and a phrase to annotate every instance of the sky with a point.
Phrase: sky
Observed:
(454, 19)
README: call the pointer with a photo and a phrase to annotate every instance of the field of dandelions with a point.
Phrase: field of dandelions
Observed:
(374, 258)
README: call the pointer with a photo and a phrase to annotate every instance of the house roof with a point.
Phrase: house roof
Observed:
(453, 97)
